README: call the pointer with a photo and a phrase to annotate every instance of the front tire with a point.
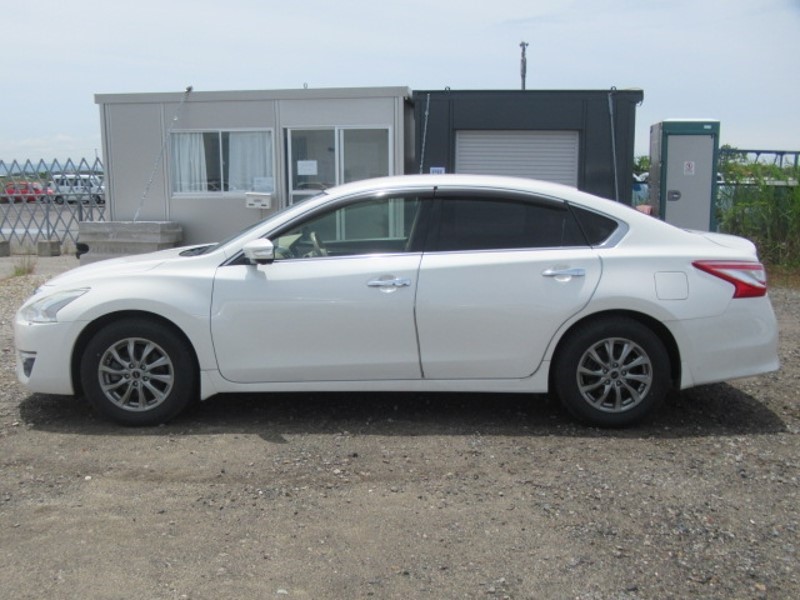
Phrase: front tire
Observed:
(138, 372)
(612, 372)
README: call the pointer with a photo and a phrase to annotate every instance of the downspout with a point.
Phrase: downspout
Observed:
(611, 121)
(424, 134)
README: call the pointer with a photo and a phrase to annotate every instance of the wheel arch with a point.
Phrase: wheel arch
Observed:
(656, 326)
(94, 326)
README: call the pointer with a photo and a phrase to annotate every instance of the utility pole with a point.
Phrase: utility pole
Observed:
(523, 67)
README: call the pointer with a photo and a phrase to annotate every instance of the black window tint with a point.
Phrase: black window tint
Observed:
(500, 223)
(596, 228)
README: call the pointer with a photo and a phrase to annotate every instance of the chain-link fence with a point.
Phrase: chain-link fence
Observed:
(45, 201)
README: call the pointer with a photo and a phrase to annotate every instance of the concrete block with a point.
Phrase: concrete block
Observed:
(5, 248)
(48, 248)
(112, 239)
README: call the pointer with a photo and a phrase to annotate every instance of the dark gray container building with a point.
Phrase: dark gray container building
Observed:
(582, 138)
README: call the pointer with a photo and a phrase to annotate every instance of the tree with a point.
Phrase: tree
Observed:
(641, 164)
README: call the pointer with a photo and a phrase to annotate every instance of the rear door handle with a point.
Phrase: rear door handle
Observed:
(396, 282)
(574, 272)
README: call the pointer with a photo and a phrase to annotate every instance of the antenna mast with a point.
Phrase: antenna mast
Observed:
(523, 67)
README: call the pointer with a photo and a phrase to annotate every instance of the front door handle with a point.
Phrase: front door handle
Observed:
(574, 272)
(396, 282)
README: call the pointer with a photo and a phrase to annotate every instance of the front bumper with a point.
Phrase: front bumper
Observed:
(43, 355)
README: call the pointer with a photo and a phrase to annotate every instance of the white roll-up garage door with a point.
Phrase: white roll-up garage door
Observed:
(548, 155)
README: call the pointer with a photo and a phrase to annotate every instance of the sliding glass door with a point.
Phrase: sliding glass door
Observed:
(323, 157)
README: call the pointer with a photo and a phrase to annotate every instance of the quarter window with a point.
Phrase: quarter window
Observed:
(222, 161)
(597, 228)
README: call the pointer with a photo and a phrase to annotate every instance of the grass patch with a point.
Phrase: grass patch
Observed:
(24, 265)
(783, 276)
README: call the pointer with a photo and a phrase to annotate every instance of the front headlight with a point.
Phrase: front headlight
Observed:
(45, 310)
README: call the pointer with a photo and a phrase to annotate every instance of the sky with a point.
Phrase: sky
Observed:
(731, 60)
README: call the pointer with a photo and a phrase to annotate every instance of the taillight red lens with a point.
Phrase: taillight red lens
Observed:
(749, 279)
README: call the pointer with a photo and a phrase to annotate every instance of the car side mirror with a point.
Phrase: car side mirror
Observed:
(259, 252)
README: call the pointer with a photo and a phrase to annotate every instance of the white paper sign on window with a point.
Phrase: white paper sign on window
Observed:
(307, 167)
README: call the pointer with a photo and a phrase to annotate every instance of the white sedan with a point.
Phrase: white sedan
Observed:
(416, 283)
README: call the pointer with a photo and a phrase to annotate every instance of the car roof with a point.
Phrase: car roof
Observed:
(456, 180)
(490, 182)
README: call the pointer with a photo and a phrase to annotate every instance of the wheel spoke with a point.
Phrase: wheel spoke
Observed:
(165, 378)
(112, 371)
(625, 349)
(159, 362)
(158, 394)
(117, 358)
(601, 362)
(114, 385)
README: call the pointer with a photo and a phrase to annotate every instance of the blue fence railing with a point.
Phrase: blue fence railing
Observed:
(45, 201)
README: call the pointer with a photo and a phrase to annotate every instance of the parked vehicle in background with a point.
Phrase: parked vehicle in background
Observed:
(78, 187)
(26, 191)
(419, 283)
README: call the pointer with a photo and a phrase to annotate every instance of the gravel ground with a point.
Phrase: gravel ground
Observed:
(402, 496)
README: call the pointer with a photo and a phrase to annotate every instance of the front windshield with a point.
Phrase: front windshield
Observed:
(244, 232)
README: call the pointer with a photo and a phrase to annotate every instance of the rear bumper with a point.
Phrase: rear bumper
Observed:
(740, 342)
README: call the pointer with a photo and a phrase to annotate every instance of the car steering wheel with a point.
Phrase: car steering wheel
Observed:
(318, 247)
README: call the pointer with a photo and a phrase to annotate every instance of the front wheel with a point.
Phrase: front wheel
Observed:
(138, 372)
(611, 373)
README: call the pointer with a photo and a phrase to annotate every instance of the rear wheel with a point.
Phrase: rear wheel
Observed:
(138, 372)
(612, 372)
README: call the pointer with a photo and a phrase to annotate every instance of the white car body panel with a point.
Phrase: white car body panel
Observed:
(349, 329)
(467, 321)
(460, 339)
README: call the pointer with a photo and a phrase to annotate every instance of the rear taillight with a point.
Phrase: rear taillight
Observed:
(749, 279)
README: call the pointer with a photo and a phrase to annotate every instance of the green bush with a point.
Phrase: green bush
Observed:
(768, 213)
(760, 200)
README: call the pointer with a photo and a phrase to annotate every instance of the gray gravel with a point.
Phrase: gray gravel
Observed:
(404, 495)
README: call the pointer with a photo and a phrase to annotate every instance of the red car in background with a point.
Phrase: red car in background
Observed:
(26, 191)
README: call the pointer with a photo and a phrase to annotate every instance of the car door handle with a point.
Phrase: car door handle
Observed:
(396, 282)
(574, 272)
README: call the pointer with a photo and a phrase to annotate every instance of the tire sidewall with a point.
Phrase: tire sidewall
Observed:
(580, 340)
(179, 352)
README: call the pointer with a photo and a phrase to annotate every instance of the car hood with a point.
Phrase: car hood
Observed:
(117, 267)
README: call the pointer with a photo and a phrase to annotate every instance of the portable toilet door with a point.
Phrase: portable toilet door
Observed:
(683, 158)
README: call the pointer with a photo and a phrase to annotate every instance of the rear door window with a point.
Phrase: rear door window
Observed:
(487, 222)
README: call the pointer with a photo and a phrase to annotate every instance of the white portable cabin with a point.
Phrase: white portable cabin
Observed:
(215, 162)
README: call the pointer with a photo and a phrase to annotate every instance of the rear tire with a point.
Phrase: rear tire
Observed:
(138, 372)
(612, 372)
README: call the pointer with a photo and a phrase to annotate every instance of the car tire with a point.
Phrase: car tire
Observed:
(59, 200)
(611, 372)
(138, 372)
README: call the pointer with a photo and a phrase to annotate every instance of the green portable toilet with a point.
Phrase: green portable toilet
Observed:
(683, 172)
